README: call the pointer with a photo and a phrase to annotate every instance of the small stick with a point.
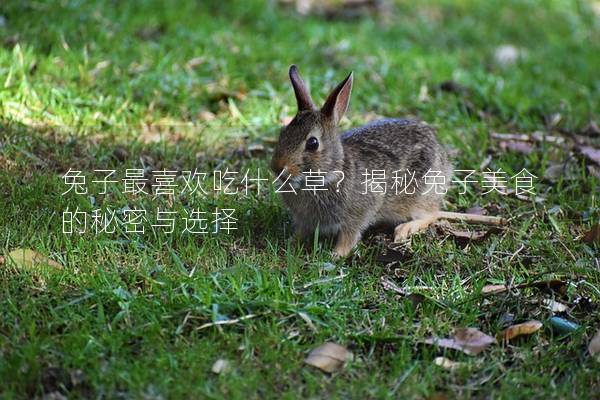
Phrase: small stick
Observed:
(475, 218)
(226, 322)
(535, 137)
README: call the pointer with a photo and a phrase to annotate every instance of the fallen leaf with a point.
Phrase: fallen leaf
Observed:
(206, 116)
(195, 62)
(416, 299)
(448, 364)
(516, 146)
(471, 235)
(506, 319)
(526, 328)
(493, 289)
(462, 237)
(392, 255)
(438, 396)
(2, 260)
(102, 65)
(220, 366)
(555, 285)
(592, 128)
(566, 171)
(476, 210)
(329, 357)
(594, 346)
(27, 258)
(468, 340)
(555, 306)
(594, 170)
(255, 149)
(593, 235)
(120, 153)
(590, 153)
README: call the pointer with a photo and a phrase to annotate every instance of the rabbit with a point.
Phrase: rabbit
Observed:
(344, 208)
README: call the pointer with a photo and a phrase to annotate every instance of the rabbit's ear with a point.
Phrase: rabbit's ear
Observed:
(337, 103)
(302, 95)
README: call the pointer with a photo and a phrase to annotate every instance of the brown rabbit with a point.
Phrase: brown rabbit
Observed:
(344, 206)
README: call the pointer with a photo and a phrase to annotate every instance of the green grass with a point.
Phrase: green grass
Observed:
(81, 79)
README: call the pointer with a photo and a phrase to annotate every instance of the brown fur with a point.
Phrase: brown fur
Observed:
(343, 210)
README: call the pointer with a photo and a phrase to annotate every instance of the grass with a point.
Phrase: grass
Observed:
(90, 86)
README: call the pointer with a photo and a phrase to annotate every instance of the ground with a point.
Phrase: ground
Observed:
(203, 85)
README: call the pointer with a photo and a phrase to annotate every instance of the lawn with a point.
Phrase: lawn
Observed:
(202, 86)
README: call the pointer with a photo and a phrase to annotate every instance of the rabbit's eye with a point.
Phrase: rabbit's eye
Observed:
(312, 144)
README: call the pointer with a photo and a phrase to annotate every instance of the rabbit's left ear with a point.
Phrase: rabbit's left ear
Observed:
(300, 90)
(337, 103)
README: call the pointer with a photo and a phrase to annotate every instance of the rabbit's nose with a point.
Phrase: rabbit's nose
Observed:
(277, 165)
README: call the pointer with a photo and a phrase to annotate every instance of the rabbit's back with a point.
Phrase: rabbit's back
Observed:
(396, 144)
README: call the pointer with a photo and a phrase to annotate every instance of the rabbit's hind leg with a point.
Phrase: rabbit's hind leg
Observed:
(420, 224)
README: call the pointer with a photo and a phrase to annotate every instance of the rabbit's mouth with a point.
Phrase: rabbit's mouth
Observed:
(287, 179)
(290, 180)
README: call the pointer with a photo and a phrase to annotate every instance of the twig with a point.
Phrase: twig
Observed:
(485, 163)
(534, 137)
(226, 322)
(567, 249)
(475, 218)
(389, 285)
(515, 254)
(324, 280)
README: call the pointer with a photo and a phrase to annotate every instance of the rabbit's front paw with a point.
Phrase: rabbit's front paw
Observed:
(346, 241)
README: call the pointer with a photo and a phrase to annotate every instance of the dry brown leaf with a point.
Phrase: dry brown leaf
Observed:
(462, 236)
(516, 146)
(476, 210)
(329, 357)
(195, 62)
(568, 171)
(594, 346)
(471, 235)
(526, 328)
(468, 340)
(220, 366)
(448, 364)
(556, 285)
(438, 396)
(27, 258)
(256, 148)
(206, 116)
(593, 235)
(591, 153)
(594, 170)
(493, 289)
(592, 128)
(121, 153)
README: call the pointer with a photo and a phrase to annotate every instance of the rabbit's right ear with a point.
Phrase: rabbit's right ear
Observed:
(302, 95)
